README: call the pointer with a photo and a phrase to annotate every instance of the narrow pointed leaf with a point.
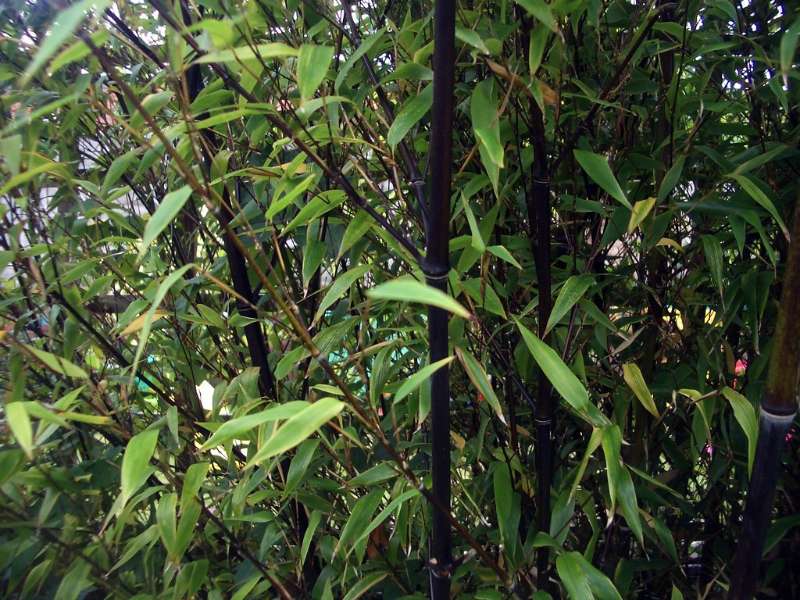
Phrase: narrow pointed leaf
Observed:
(596, 166)
(407, 289)
(571, 292)
(635, 380)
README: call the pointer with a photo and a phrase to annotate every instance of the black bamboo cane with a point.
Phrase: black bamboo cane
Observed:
(539, 230)
(778, 409)
(436, 266)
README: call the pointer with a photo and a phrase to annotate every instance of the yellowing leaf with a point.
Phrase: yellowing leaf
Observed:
(639, 213)
(57, 364)
(633, 377)
(139, 321)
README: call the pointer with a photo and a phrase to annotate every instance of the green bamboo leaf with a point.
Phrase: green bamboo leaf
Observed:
(66, 23)
(57, 364)
(118, 168)
(575, 580)
(556, 370)
(480, 380)
(312, 66)
(167, 210)
(757, 194)
(282, 202)
(247, 53)
(788, 47)
(713, 252)
(639, 213)
(745, 415)
(144, 333)
(186, 528)
(366, 45)
(571, 292)
(485, 121)
(596, 166)
(20, 423)
(620, 484)
(541, 11)
(418, 378)
(503, 254)
(318, 206)
(477, 238)
(298, 428)
(356, 229)
(240, 427)
(339, 286)
(75, 581)
(408, 289)
(412, 111)
(166, 521)
(136, 462)
(536, 47)
(192, 482)
(601, 586)
(671, 178)
(471, 38)
(676, 593)
(635, 380)
(152, 104)
(384, 514)
(313, 523)
(359, 519)
(363, 586)
(77, 51)
(504, 506)
(298, 468)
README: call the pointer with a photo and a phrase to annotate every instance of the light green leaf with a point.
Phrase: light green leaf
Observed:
(503, 254)
(671, 178)
(312, 66)
(166, 521)
(597, 168)
(408, 289)
(480, 380)
(152, 104)
(356, 229)
(192, 482)
(676, 593)
(571, 292)
(477, 238)
(167, 210)
(245, 53)
(66, 23)
(639, 213)
(57, 364)
(77, 51)
(559, 374)
(239, 427)
(318, 206)
(633, 377)
(504, 506)
(413, 110)
(282, 202)
(745, 415)
(75, 581)
(788, 47)
(412, 383)
(485, 121)
(757, 194)
(298, 428)
(536, 47)
(471, 38)
(136, 462)
(20, 423)
(339, 286)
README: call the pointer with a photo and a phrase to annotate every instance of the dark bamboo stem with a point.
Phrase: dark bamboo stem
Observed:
(538, 201)
(436, 267)
(778, 409)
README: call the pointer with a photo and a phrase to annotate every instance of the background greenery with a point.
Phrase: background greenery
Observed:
(214, 339)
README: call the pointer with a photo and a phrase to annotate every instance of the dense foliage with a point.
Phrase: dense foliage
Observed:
(214, 344)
